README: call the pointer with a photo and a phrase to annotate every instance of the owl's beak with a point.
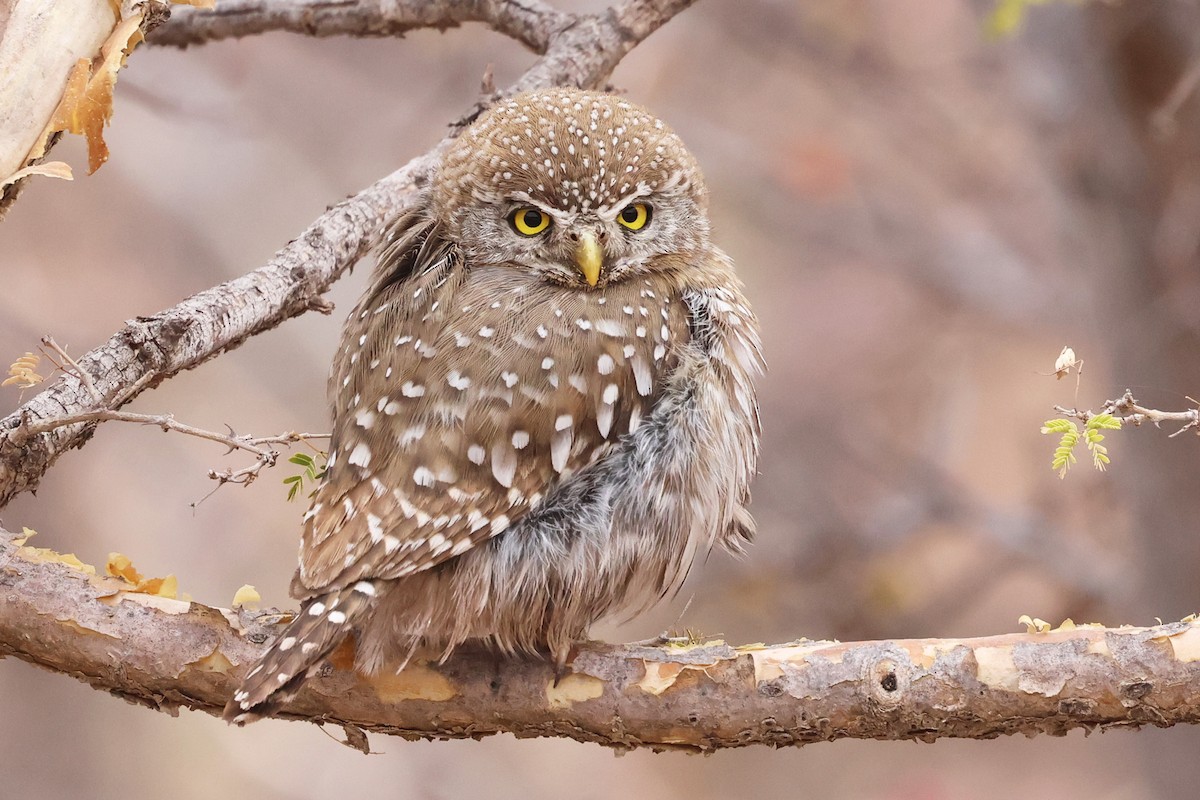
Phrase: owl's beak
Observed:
(589, 257)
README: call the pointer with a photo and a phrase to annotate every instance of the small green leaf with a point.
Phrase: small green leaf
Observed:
(303, 459)
(1058, 426)
(1104, 422)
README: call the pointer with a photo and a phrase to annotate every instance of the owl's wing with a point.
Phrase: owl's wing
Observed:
(456, 412)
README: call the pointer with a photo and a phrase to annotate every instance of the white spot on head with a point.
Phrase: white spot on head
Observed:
(457, 380)
(605, 364)
(410, 389)
(509, 378)
(547, 362)
(487, 332)
(365, 418)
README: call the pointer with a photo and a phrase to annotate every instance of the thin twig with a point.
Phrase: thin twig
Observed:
(48, 341)
(1127, 409)
(1163, 118)
(264, 456)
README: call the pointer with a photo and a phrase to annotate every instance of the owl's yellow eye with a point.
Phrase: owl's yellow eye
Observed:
(530, 221)
(635, 216)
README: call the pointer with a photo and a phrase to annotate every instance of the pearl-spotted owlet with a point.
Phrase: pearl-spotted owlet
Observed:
(544, 405)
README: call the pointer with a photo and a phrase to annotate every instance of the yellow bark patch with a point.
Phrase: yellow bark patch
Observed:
(1186, 644)
(414, 682)
(246, 596)
(119, 566)
(927, 655)
(769, 664)
(573, 688)
(996, 668)
(46, 555)
(659, 676)
(213, 662)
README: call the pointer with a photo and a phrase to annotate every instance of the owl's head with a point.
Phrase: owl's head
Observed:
(580, 188)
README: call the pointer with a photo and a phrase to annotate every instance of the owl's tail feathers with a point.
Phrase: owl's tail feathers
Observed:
(320, 626)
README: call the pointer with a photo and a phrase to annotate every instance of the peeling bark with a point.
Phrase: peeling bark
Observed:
(170, 654)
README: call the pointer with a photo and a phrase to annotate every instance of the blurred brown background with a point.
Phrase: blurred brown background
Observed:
(924, 216)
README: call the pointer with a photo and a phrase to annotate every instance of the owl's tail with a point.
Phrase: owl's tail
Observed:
(320, 626)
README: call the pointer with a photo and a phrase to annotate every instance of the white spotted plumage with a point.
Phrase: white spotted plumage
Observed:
(523, 452)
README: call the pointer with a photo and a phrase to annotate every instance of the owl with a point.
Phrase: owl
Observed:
(544, 403)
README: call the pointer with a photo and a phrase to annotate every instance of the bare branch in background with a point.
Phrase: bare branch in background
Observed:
(530, 22)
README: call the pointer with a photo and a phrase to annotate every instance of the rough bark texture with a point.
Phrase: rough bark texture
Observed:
(169, 654)
(149, 350)
(532, 23)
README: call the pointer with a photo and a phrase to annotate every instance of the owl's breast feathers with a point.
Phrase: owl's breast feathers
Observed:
(461, 403)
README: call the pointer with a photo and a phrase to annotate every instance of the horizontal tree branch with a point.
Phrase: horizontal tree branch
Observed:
(170, 654)
(530, 22)
(151, 349)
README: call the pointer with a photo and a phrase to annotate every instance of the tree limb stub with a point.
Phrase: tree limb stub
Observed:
(169, 654)
(151, 349)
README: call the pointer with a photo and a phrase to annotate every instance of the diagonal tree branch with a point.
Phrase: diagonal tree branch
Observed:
(151, 349)
(169, 654)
